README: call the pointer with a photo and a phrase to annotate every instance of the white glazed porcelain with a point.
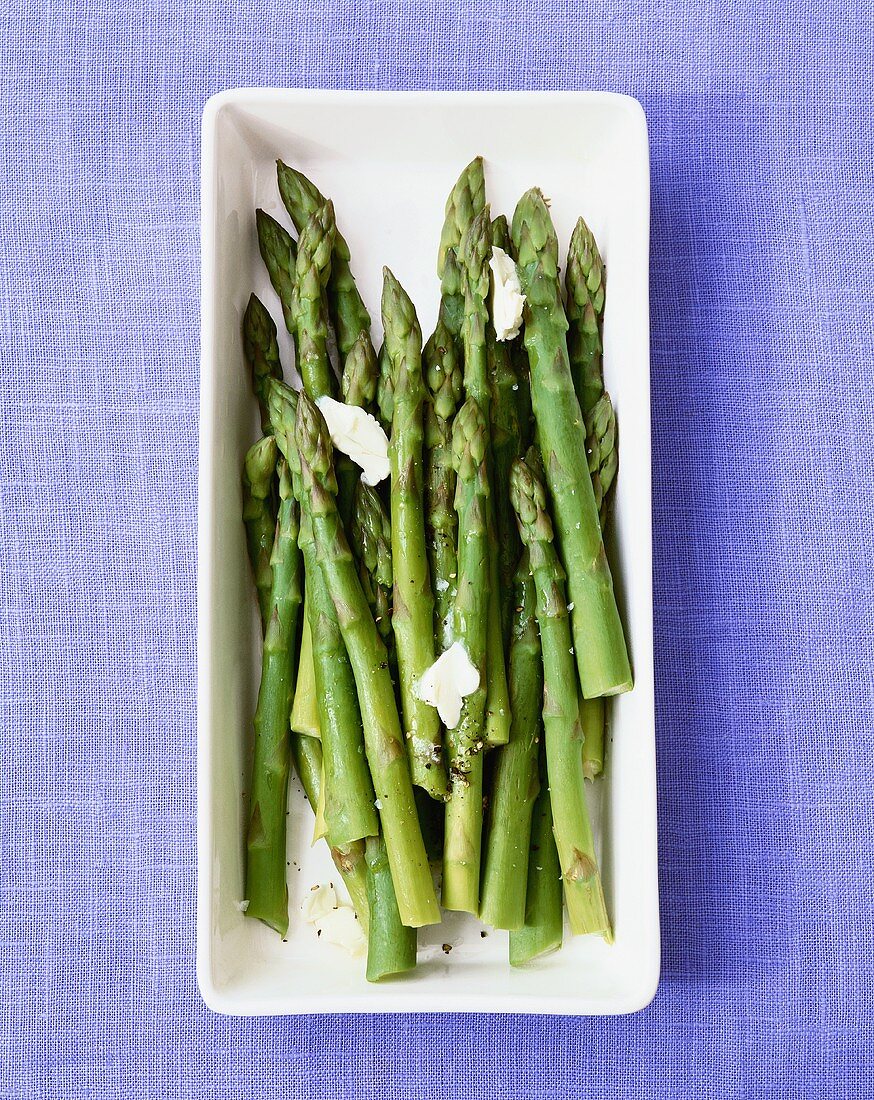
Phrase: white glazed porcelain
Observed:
(388, 160)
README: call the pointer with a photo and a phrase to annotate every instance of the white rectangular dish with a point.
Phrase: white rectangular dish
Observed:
(388, 160)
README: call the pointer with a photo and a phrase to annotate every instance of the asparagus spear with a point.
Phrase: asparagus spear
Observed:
(584, 280)
(385, 399)
(360, 374)
(349, 799)
(601, 653)
(305, 708)
(465, 743)
(259, 517)
(473, 256)
(348, 313)
(261, 351)
(602, 452)
(348, 858)
(417, 902)
(279, 253)
(309, 312)
(570, 817)
(466, 199)
(413, 602)
(370, 537)
(266, 888)
(510, 403)
(515, 781)
(444, 380)
(543, 921)
(603, 466)
(391, 946)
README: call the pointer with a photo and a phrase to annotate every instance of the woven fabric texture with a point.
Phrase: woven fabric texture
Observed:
(763, 416)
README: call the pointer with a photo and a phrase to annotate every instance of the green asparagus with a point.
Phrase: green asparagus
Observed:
(583, 893)
(466, 742)
(593, 719)
(386, 755)
(603, 466)
(391, 946)
(348, 796)
(261, 351)
(473, 256)
(259, 468)
(515, 781)
(370, 537)
(542, 930)
(266, 888)
(413, 601)
(348, 313)
(305, 708)
(466, 199)
(444, 379)
(279, 253)
(510, 402)
(602, 452)
(361, 375)
(599, 643)
(309, 312)
(385, 400)
(584, 280)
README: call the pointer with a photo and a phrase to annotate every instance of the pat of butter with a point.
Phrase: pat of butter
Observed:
(334, 922)
(448, 682)
(507, 297)
(359, 435)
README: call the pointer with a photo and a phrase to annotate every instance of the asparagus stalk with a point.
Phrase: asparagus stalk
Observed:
(385, 399)
(444, 379)
(259, 516)
(417, 902)
(603, 466)
(261, 351)
(570, 816)
(348, 858)
(348, 793)
(510, 402)
(465, 743)
(593, 719)
(599, 643)
(391, 946)
(279, 253)
(413, 602)
(370, 538)
(543, 920)
(473, 256)
(584, 280)
(305, 708)
(515, 781)
(266, 887)
(348, 313)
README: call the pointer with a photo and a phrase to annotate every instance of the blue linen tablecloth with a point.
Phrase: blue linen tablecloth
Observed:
(762, 277)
